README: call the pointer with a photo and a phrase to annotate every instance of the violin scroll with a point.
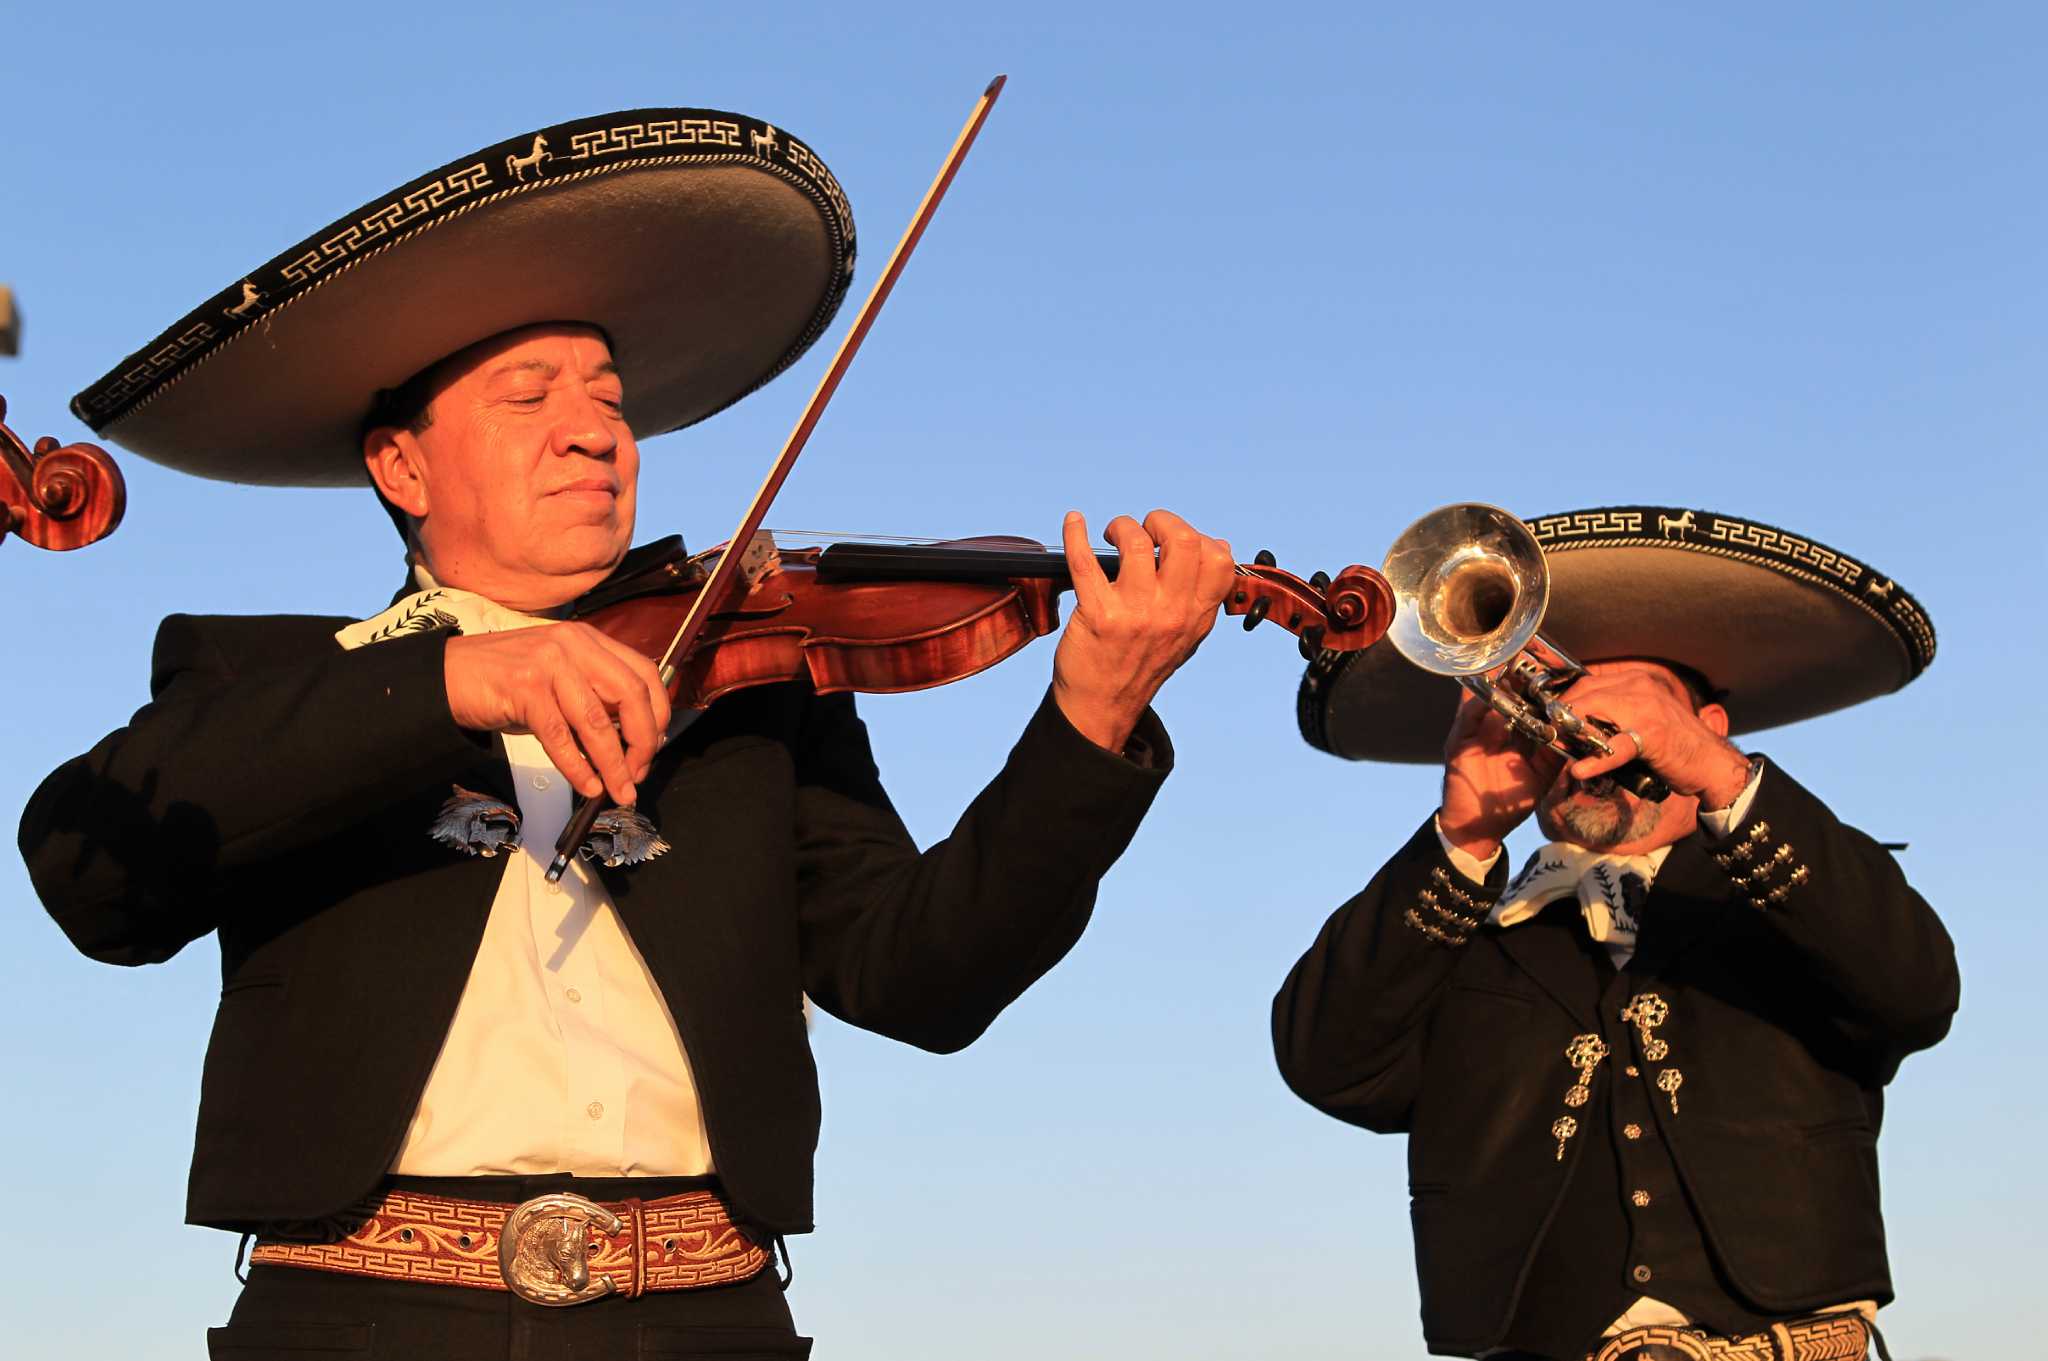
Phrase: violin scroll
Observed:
(1346, 614)
(58, 496)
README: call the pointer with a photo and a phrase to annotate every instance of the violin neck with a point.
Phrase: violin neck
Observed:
(943, 562)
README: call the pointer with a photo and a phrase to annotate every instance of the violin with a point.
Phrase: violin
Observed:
(884, 618)
(57, 496)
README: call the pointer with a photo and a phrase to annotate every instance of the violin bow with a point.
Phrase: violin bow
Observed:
(726, 576)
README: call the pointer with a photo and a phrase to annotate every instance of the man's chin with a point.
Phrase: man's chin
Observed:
(578, 550)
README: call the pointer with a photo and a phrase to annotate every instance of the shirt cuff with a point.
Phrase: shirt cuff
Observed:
(1719, 826)
(1476, 870)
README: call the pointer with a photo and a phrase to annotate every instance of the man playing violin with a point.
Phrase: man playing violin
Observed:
(447, 1095)
(1642, 1079)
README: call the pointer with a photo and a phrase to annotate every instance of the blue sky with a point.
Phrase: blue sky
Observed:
(1299, 273)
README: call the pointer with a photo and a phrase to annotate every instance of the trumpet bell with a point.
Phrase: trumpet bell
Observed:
(1470, 586)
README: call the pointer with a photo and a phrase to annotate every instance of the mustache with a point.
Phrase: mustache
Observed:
(1604, 788)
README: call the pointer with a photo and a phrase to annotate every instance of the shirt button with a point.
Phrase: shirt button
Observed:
(1631, 1131)
(1639, 1199)
(595, 1110)
(573, 995)
(541, 782)
(1640, 1275)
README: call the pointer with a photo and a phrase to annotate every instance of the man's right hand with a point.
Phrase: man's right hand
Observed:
(572, 687)
(1492, 779)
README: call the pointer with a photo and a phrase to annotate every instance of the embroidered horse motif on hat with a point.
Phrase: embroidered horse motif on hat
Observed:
(517, 166)
(251, 295)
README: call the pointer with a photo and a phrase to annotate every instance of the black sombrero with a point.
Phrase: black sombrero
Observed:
(713, 248)
(1783, 627)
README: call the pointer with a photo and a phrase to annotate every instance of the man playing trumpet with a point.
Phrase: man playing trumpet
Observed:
(1643, 1078)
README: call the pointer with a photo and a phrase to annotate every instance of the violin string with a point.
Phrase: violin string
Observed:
(898, 540)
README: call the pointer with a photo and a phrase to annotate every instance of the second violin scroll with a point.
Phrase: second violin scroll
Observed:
(57, 496)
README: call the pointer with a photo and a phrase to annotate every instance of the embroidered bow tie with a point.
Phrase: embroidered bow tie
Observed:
(1611, 890)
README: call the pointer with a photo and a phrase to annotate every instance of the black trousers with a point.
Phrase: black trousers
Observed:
(301, 1315)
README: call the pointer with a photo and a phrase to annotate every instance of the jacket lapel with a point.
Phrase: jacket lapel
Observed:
(1547, 949)
(1689, 897)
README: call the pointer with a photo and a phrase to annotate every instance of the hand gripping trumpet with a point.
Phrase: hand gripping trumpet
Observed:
(1470, 587)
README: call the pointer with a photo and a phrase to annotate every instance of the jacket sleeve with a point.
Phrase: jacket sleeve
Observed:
(1351, 1021)
(929, 947)
(226, 766)
(1880, 961)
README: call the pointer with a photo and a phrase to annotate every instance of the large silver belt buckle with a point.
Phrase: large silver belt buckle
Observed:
(544, 1249)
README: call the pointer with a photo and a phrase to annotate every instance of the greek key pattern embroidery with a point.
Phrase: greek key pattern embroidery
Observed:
(1727, 537)
(157, 363)
(662, 132)
(457, 184)
(1768, 878)
(1585, 522)
(1913, 619)
(799, 155)
(451, 1242)
(1844, 1338)
(1845, 570)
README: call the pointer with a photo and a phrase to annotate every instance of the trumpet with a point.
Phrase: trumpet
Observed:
(1470, 588)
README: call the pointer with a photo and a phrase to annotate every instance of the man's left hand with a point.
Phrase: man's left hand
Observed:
(1688, 750)
(1127, 636)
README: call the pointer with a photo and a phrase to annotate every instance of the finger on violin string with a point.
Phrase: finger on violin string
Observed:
(591, 723)
(1180, 550)
(1218, 570)
(1091, 583)
(1136, 567)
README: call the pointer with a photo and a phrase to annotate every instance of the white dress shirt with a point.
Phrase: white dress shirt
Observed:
(563, 1055)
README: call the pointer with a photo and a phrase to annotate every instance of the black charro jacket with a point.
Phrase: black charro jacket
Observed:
(277, 791)
(1787, 1021)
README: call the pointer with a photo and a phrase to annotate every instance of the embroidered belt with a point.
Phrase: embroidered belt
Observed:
(1827, 1337)
(555, 1249)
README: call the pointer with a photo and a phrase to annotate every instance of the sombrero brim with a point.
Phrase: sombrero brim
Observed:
(712, 247)
(1783, 627)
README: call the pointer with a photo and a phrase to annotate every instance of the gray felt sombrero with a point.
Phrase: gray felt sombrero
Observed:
(1783, 627)
(712, 247)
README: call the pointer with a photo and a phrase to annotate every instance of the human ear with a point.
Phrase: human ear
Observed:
(1716, 719)
(392, 456)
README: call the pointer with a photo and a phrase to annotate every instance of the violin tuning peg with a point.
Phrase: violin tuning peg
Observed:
(1264, 558)
(1311, 643)
(1254, 616)
(1321, 581)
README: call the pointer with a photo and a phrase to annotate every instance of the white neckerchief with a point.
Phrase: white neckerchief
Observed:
(1560, 869)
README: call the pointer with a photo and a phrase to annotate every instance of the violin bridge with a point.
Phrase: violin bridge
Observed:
(760, 558)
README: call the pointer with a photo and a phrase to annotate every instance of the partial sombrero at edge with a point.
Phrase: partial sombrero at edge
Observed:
(1786, 628)
(712, 247)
